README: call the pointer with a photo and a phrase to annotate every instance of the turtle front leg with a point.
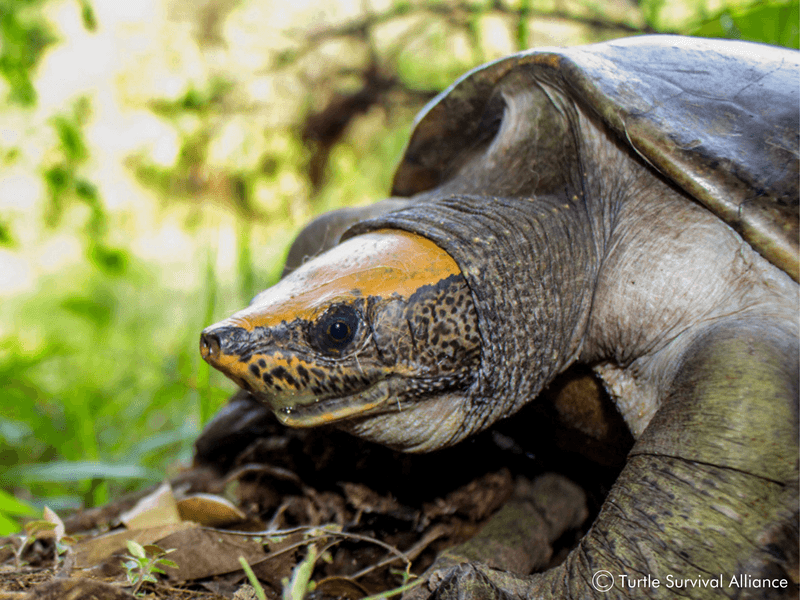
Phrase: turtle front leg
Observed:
(707, 504)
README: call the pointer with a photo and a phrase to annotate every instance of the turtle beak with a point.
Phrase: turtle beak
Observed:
(210, 347)
(221, 345)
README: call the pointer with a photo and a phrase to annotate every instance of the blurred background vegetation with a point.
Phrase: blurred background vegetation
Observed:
(156, 159)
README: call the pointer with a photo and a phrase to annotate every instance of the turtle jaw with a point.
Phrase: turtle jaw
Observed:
(380, 415)
(293, 404)
(380, 411)
(307, 410)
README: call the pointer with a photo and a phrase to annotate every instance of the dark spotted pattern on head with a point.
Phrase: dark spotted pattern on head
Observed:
(423, 344)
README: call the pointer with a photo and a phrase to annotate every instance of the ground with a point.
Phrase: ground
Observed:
(375, 519)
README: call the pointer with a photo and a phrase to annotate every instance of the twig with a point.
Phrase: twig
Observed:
(309, 528)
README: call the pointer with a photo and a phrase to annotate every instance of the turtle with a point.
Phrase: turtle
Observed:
(631, 205)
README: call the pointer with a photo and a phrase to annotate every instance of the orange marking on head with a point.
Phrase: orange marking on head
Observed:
(230, 364)
(278, 360)
(381, 263)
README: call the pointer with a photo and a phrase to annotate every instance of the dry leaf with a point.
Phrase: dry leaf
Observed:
(209, 510)
(341, 587)
(57, 531)
(158, 509)
(200, 553)
(92, 551)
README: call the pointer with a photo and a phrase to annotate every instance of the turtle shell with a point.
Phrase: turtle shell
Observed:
(720, 119)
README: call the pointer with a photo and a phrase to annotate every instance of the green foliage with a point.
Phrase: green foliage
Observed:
(25, 36)
(67, 184)
(296, 587)
(87, 16)
(143, 563)
(106, 361)
(651, 10)
(73, 471)
(112, 261)
(11, 507)
(521, 30)
(771, 23)
(774, 22)
(251, 577)
(63, 178)
(433, 66)
(5, 235)
(196, 99)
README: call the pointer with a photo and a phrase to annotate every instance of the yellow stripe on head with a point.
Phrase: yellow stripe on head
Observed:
(381, 263)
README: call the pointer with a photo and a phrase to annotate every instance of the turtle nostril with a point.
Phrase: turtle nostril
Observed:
(209, 346)
(219, 342)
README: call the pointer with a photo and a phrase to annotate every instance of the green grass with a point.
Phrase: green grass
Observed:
(103, 385)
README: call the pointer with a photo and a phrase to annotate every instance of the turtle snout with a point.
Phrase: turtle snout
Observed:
(218, 342)
(209, 347)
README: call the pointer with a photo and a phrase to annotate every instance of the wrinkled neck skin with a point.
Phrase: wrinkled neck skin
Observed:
(670, 272)
(532, 291)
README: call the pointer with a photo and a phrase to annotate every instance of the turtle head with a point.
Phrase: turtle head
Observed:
(378, 335)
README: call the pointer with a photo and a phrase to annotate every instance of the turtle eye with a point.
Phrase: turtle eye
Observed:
(336, 329)
(339, 332)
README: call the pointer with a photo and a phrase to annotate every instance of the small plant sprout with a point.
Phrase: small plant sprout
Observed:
(49, 527)
(33, 530)
(251, 576)
(143, 563)
(300, 584)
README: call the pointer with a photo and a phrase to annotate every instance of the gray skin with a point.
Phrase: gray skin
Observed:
(576, 247)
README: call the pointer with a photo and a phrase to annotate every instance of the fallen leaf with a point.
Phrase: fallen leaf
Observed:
(158, 509)
(340, 587)
(58, 531)
(209, 510)
(92, 551)
(200, 553)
